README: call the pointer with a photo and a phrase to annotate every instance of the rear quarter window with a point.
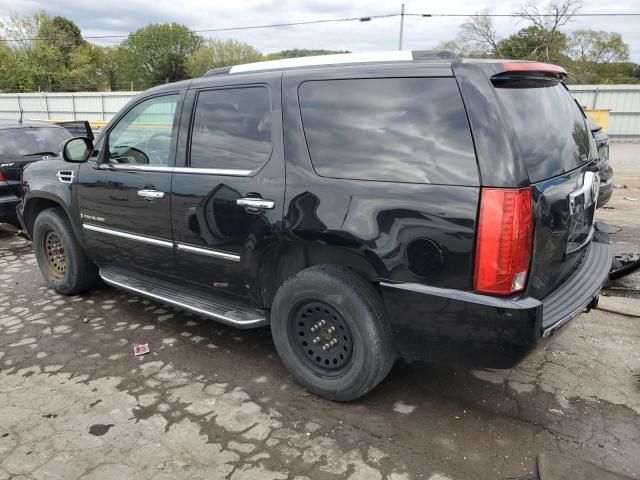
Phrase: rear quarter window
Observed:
(551, 130)
(412, 130)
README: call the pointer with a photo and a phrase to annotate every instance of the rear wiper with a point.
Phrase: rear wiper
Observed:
(40, 153)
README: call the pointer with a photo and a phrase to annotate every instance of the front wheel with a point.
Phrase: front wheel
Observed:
(60, 256)
(329, 328)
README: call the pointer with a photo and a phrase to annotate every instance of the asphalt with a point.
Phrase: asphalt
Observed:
(212, 402)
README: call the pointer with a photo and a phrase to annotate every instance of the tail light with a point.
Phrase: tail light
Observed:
(2, 176)
(503, 248)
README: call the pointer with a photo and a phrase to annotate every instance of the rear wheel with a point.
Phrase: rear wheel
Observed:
(60, 256)
(329, 329)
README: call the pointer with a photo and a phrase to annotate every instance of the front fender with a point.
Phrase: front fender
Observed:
(41, 188)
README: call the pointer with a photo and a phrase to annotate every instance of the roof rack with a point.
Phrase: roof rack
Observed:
(337, 59)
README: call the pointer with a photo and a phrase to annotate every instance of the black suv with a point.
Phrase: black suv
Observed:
(365, 207)
(22, 143)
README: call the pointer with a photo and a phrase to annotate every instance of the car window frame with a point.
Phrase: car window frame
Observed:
(103, 139)
(225, 171)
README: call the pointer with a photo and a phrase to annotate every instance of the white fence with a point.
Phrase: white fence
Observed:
(622, 100)
(99, 106)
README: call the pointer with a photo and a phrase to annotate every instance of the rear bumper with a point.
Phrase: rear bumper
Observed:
(453, 326)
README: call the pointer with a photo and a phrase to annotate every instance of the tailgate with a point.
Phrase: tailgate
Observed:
(560, 155)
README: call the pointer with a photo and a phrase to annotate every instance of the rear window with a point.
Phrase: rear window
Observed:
(550, 127)
(412, 130)
(24, 141)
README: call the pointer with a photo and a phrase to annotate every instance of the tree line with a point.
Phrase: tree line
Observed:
(590, 56)
(41, 52)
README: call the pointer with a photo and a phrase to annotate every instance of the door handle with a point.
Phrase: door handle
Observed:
(257, 203)
(150, 194)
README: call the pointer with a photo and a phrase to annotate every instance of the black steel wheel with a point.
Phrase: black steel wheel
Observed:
(321, 337)
(329, 328)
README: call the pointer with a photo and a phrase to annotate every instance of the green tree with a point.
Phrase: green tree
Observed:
(302, 52)
(531, 43)
(599, 57)
(598, 47)
(61, 33)
(548, 22)
(158, 53)
(215, 53)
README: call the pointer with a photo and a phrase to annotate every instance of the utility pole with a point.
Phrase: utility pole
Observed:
(401, 26)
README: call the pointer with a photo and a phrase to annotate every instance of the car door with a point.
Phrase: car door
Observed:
(227, 199)
(124, 196)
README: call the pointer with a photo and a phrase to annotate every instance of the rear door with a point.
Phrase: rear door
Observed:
(227, 196)
(559, 153)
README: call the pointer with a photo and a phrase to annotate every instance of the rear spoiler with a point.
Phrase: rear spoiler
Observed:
(534, 67)
(77, 128)
(528, 74)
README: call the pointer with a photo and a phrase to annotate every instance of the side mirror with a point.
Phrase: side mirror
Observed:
(77, 150)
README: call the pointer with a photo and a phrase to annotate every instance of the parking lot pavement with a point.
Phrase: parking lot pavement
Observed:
(214, 402)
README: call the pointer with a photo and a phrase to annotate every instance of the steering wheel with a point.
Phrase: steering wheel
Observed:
(131, 156)
(158, 153)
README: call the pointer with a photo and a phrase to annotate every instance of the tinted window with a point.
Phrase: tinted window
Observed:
(25, 141)
(232, 129)
(143, 135)
(399, 129)
(550, 127)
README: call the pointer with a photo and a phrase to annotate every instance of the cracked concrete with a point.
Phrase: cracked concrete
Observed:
(213, 402)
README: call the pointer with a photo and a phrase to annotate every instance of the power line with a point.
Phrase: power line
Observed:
(336, 20)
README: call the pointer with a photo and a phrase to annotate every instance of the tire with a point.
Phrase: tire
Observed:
(60, 257)
(363, 352)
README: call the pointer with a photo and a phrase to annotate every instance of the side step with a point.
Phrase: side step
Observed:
(219, 309)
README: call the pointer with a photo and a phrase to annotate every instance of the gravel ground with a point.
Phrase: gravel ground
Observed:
(212, 402)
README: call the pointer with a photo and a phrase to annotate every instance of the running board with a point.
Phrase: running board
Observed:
(219, 309)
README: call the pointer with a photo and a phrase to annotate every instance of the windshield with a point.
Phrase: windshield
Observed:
(550, 127)
(24, 141)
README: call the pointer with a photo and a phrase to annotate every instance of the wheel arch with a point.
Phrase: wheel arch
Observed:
(291, 257)
(36, 203)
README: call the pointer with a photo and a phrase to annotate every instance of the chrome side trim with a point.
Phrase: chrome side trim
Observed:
(130, 236)
(206, 251)
(214, 171)
(141, 168)
(177, 303)
(199, 171)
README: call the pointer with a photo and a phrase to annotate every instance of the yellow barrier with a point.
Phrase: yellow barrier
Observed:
(600, 116)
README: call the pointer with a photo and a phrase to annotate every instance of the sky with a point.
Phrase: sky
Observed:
(117, 17)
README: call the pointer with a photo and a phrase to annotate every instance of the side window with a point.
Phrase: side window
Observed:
(412, 130)
(143, 135)
(232, 129)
